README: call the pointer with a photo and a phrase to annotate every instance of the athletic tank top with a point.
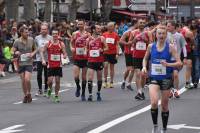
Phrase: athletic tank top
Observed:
(94, 53)
(140, 46)
(54, 55)
(157, 70)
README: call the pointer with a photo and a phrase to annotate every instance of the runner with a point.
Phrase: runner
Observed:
(129, 72)
(41, 40)
(189, 37)
(24, 48)
(54, 50)
(95, 47)
(78, 48)
(111, 55)
(139, 39)
(178, 42)
(159, 54)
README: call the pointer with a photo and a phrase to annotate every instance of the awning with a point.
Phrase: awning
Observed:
(127, 13)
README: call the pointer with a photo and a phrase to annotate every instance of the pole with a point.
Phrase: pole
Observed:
(90, 10)
(177, 10)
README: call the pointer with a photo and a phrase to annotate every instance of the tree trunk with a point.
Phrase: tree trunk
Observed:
(29, 9)
(106, 9)
(73, 10)
(47, 12)
(12, 9)
(2, 6)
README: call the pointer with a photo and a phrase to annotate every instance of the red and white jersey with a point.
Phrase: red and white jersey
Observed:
(95, 47)
(79, 43)
(54, 54)
(141, 44)
(111, 40)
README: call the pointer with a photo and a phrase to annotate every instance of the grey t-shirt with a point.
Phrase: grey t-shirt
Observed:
(40, 42)
(178, 40)
(24, 49)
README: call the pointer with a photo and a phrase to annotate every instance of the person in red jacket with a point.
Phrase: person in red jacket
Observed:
(111, 55)
(54, 68)
(95, 46)
(78, 48)
(140, 40)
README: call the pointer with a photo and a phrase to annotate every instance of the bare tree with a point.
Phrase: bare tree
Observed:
(47, 11)
(2, 6)
(73, 9)
(12, 9)
(29, 9)
(106, 9)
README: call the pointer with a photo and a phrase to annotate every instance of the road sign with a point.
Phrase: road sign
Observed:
(12, 129)
(180, 126)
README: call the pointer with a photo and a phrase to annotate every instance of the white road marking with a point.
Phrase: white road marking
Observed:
(180, 126)
(12, 129)
(20, 102)
(121, 119)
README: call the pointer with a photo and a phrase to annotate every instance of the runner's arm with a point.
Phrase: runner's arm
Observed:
(178, 62)
(64, 50)
(42, 49)
(146, 58)
(105, 46)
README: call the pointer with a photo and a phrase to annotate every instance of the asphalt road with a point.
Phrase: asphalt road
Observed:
(119, 112)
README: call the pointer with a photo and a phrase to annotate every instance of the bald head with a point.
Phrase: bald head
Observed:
(111, 26)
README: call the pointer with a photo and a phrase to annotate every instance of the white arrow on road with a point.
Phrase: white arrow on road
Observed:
(12, 129)
(179, 126)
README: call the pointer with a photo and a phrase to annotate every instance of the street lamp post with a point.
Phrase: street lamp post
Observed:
(177, 10)
(90, 10)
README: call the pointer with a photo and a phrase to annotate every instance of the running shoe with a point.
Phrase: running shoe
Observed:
(56, 99)
(176, 94)
(45, 93)
(188, 86)
(123, 85)
(49, 91)
(77, 94)
(140, 96)
(163, 131)
(110, 85)
(129, 87)
(83, 98)
(105, 85)
(39, 93)
(99, 96)
(25, 100)
(29, 98)
(195, 85)
(90, 99)
(155, 129)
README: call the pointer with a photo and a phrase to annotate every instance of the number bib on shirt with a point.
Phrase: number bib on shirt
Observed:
(24, 57)
(140, 46)
(80, 51)
(94, 53)
(158, 69)
(55, 57)
(110, 40)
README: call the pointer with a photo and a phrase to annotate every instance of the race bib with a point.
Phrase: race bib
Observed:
(94, 53)
(158, 69)
(110, 40)
(80, 51)
(55, 57)
(140, 46)
(24, 57)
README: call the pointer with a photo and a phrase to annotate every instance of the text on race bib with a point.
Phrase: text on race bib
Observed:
(110, 40)
(140, 46)
(55, 57)
(24, 57)
(94, 53)
(80, 51)
(158, 69)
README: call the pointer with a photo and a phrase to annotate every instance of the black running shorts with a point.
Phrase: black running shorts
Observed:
(97, 66)
(57, 71)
